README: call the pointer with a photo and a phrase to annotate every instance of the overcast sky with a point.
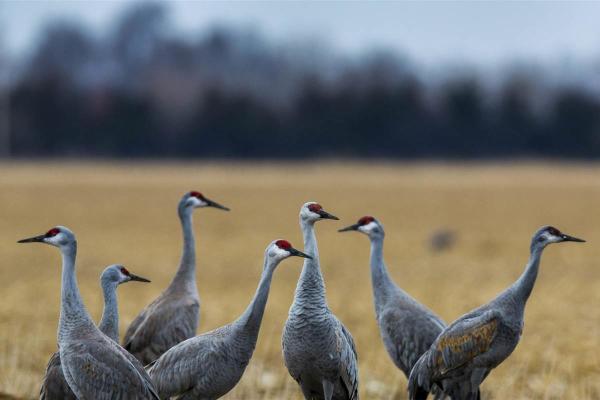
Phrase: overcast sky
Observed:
(429, 32)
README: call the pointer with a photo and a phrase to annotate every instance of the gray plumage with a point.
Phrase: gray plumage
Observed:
(54, 385)
(407, 327)
(318, 350)
(174, 315)
(210, 365)
(94, 366)
(467, 350)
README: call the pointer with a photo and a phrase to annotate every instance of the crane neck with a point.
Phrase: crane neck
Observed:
(380, 279)
(73, 315)
(524, 285)
(109, 323)
(522, 288)
(185, 278)
(251, 319)
(310, 290)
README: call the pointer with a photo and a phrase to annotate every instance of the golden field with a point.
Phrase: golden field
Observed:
(126, 213)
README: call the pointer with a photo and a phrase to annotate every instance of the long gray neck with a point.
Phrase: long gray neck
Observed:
(380, 279)
(310, 290)
(524, 285)
(109, 323)
(251, 319)
(518, 293)
(185, 278)
(73, 315)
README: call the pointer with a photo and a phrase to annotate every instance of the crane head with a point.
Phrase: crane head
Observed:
(549, 234)
(58, 236)
(313, 211)
(196, 199)
(281, 249)
(118, 274)
(367, 225)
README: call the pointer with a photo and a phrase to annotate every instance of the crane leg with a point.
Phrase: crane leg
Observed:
(327, 390)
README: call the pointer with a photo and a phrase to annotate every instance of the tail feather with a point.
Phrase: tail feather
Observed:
(419, 384)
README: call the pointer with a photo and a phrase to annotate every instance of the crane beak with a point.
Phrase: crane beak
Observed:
(298, 253)
(349, 228)
(34, 239)
(325, 215)
(214, 204)
(567, 238)
(134, 277)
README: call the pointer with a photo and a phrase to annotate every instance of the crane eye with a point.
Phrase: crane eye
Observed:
(541, 238)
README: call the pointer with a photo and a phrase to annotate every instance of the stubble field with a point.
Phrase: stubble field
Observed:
(126, 213)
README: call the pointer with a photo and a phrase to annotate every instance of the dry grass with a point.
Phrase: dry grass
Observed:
(126, 213)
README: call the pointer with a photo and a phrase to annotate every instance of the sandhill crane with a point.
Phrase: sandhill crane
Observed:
(94, 366)
(210, 365)
(174, 315)
(468, 349)
(407, 327)
(318, 350)
(54, 386)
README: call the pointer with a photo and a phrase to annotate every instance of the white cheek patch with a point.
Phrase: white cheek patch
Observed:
(196, 202)
(281, 253)
(368, 227)
(55, 239)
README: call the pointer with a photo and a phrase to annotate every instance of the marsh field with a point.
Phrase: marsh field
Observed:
(126, 213)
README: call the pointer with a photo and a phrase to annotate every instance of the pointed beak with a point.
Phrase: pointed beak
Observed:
(325, 215)
(34, 239)
(298, 253)
(215, 205)
(349, 228)
(567, 238)
(138, 278)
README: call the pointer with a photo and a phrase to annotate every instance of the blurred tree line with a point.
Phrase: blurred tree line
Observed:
(142, 90)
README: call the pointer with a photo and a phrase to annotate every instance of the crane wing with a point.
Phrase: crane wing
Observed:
(101, 371)
(407, 334)
(349, 358)
(464, 340)
(193, 364)
(160, 327)
(54, 385)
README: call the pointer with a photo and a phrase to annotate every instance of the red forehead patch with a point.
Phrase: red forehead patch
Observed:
(315, 207)
(197, 195)
(283, 244)
(366, 220)
(52, 232)
(124, 271)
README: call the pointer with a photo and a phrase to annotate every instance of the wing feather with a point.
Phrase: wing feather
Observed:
(54, 385)
(349, 358)
(102, 371)
(160, 327)
(464, 340)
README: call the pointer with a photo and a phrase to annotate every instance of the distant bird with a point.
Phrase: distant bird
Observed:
(54, 386)
(94, 366)
(210, 365)
(407, 327)
(318, 350)
(174, 315)
(442, 239)
(467, 350)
